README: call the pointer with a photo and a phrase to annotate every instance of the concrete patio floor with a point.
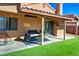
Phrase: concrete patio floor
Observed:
(17, 45)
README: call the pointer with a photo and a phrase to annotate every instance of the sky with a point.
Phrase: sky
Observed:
(68, 8)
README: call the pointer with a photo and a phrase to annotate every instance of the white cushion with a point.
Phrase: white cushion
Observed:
(33, 35)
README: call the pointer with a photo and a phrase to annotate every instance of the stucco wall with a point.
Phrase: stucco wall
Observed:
(11, 33)
(12, 7)
(60, 30)
(9, 8)
(26, 23)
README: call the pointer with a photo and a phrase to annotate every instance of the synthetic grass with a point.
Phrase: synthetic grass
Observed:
(63, 48)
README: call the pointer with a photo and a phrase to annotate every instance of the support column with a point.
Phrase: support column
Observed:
(42, 31)
(64, 29)
(76, 30)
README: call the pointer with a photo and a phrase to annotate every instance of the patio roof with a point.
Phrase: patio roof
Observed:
(37, 12)
(42, 13)
(9, 14)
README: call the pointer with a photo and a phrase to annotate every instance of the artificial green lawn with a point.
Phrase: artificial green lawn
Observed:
(63, 48)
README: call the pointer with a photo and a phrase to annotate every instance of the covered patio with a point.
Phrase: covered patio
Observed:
(43, 17)
(47, 17)
(43, 39)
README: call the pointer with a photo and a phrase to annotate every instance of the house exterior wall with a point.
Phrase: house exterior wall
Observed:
(11, 7)
(60, 31)
(25, 23)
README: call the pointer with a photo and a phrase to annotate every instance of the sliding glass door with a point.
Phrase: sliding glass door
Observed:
(49, 27)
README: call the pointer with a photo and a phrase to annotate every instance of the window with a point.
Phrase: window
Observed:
(13, 24)
(8, 23)
(3, 23)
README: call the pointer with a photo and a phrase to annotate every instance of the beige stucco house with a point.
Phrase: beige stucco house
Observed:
(17, 18)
